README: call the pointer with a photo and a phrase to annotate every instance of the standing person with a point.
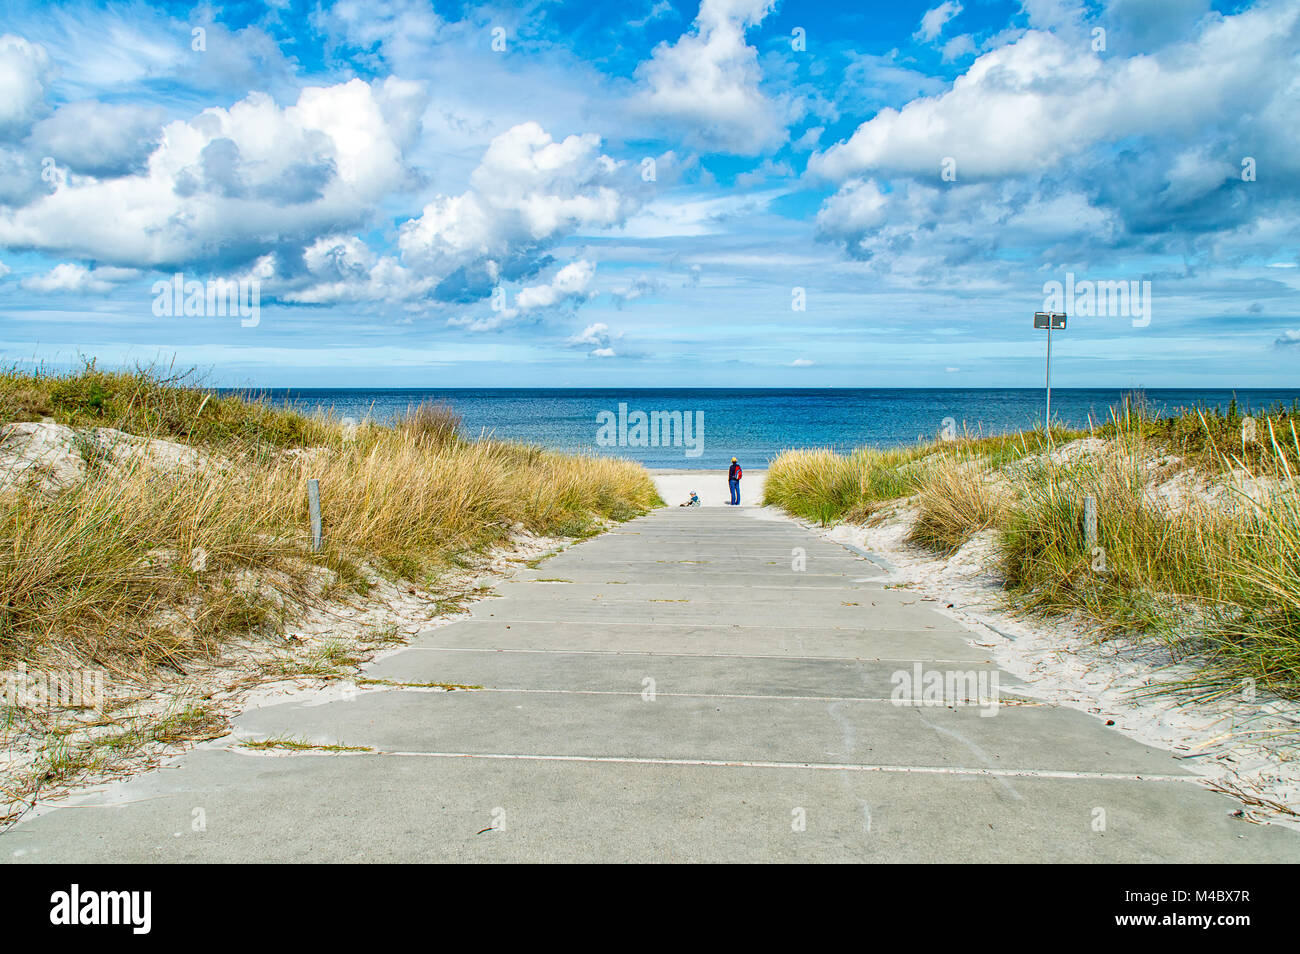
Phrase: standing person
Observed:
(733, 478)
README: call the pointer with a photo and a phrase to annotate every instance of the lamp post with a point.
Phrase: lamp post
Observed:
(1049, 320)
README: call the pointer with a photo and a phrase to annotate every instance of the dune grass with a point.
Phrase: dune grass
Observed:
(823, 486)
(956, 498)
(140, 565)
(156, 402)
(1215, 576)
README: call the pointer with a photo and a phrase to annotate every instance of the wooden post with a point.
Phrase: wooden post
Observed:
(1089, 523)
(313, 502)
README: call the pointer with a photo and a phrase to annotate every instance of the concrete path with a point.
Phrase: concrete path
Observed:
(696, 685)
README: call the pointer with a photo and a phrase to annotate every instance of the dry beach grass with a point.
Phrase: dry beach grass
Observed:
(192, 549)
(1198, 527)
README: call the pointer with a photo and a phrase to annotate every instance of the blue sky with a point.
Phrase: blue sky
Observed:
(656, 192)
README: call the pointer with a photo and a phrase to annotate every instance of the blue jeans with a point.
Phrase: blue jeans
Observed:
(735, 491)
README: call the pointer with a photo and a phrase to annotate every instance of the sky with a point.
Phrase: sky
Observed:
(654, 193)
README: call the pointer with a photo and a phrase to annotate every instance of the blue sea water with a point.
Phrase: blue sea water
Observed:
(756, 425)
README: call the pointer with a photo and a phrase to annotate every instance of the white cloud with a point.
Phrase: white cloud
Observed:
(597, 337)
(927, 234)
(660, 10)
(678, 216)
(570, 285)
(343, 268)
(765, 170)
(527, 190)
(231, 184)
(808, 141)
(708, 82)
(802, 363)
(24, 74)
(570, 282)
(957, 47)
(932, 23)
(993, 119)
(99, 139)
(70, 277)
(858, 207)
(401, 30)
(640, 287)
(122, 47)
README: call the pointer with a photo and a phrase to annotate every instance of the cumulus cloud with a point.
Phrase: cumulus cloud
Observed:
(99, 139)
(857, 208)
(707, 82)
(342, 268)
(926, 235)
(572, 282)
(1034, 101)
(528, 190)
(233, 184)
(1144, 154)
(25, 71)
(571, 285)
(598, 338)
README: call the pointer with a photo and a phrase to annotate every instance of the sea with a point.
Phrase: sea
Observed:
(703, 428)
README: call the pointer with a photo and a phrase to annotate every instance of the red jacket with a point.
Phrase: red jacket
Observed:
(734, 473)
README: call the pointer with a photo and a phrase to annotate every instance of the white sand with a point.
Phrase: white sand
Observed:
(675, 486)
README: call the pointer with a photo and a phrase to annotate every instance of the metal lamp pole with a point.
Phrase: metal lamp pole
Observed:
(1047, 415)
(1049, 320)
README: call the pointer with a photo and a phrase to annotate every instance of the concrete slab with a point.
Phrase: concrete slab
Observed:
(769, 737)
(672, 675)
(713, 592)
(715, 728)
(597, 572)
(395, 809)
(724, 640)
(880, 613)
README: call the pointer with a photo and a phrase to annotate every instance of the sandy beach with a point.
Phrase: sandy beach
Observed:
(675, 486)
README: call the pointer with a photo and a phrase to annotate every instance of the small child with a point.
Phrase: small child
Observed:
(693, 502)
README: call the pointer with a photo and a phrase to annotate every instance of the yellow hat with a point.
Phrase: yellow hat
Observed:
(733, 460)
